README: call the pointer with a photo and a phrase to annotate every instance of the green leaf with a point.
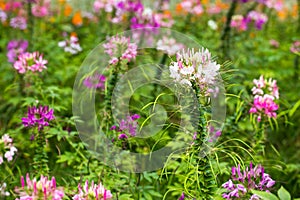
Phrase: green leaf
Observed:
(265, 195)
(293, 110)
(283, 194)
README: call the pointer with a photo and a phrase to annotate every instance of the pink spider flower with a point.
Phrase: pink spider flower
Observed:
(39, 189)
(94, 191)
(120, 48)
(265, 92)
(30, 62)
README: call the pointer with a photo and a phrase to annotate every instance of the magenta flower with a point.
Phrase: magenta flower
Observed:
(241, 183)
(258, 18)
(181, 197)
(239, 22)
(41, 189)
(120, 48)
(39, 117)
(7, 148)
(15, 48)
(97, 192)
(18, 22)
(127, 127)
(265, 92)
(30, 61)
(95, 81)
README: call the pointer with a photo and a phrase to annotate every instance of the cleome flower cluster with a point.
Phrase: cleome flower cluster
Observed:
(127, 127)
(195, 67)
(38, 116)
(97, 192)
(7, 148)
(30, 62)
(39, 189)
(265, 92)
(242, 182)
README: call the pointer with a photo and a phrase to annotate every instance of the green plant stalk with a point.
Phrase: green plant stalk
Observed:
(206, 179)
(110, 88)
(40, 158)
(225, 38)
(259, 143)
(30, 26)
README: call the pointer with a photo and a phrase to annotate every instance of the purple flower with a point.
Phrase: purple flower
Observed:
(242, 182)
(15, 48)
(181, 197)
(95, 81)
(40, 117)
(18, 22)
(127, 127)
(122, 136)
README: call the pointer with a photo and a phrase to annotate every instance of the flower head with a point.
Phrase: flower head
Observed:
(127, 127)
(242, 182)
(120, 48)
(36, 189)
(265, 92)
(30, 61)
(195, 67)
(94, 191)
(15, 48)
(18, 23)
(3, 191)
(71, 45)
(7, 148)
(295, 47)
(39, 117)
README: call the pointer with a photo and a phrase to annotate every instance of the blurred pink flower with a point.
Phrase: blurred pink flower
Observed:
(295, 47)
(274, 43)
(30, 61)
(18, 22)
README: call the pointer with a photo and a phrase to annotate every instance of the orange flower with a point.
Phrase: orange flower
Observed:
(74, 34)
(222, 5)
(282, 14)
(295, 10)
(67, 10)
(2, 5)
(77, 19)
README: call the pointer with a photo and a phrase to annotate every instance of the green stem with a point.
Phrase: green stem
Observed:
(40, 158)
(259, 143)
(110, 87)
(30, 25)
